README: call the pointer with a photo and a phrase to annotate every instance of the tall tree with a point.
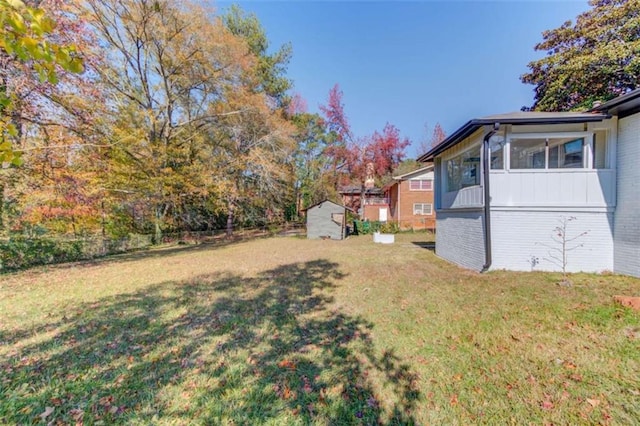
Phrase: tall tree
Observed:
(429, 142)
(271, 67)
(313, 166)
(597, 58)
(169, 64)
(253, 159)
(361, 160)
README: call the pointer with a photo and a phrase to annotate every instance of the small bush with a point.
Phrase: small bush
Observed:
(369, 227)
(390, 228)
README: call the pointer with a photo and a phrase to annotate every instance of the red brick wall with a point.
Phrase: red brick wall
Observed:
(372, 212)
(406, 218)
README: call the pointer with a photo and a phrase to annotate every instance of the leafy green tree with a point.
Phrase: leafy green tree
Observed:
(271, 67)
(597, 58)
(314, 181)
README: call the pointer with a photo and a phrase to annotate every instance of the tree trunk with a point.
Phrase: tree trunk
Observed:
(230, 220)
(157, 236)
(1, 206)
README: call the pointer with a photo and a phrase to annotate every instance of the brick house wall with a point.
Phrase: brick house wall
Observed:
(404, 209)
(372, 211)
(403, 200)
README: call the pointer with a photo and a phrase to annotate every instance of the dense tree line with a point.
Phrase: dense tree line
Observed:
(177, 122)
(149, 116)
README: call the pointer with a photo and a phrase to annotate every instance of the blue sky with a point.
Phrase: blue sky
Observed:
(411, 63)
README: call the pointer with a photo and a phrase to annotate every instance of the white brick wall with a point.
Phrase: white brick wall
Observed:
(627, 216)
(523, 240)
(460, 238)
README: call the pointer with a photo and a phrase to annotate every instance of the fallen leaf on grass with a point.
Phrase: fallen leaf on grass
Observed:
(46, 413)
(287, 393)
(372, 402)
(593, 402)
(454, 400)
(106, 400)
(576, 377)
(286, 363)
(76, 414)
(547, 405)
(307, 388)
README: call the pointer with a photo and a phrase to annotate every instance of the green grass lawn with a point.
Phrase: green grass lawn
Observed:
(290, 331)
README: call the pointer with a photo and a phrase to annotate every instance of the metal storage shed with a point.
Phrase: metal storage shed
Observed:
(326, 220)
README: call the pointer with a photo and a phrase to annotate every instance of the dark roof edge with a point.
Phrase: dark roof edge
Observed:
(416, 171)
(616, 101)
(472, 125)
(332, 202)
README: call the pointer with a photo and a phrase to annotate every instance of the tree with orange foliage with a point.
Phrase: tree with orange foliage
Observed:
(358, 159)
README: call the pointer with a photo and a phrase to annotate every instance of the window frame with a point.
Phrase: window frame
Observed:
(587, 150)
(422, 181)
(422, 209)
(476, 145)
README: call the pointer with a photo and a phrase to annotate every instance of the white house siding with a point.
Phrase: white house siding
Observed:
(422, 176)
(627, 217)
(553, 188)
(522, 240)
(460, 238)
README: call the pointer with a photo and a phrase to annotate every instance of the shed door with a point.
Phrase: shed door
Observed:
(382, 215)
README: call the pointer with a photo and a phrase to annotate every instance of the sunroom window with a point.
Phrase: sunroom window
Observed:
(567, 155)
(496, 149)
(463, 170)
(527, 153)
(547, 153)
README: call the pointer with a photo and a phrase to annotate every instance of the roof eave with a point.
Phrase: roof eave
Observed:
(473, 125)
(420, 170)
(618, 102)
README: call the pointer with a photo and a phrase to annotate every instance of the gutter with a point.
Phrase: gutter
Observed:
(472, 125)
(486, 152)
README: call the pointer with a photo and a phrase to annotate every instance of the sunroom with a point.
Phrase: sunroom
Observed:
(504, 182)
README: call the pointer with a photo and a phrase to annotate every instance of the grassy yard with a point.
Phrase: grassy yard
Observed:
(290, 331)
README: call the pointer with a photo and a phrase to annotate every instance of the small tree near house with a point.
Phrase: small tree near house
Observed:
(564, 243)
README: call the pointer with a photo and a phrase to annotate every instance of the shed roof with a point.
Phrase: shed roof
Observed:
(329, 201)
(520, 117)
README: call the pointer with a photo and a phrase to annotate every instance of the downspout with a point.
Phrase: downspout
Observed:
(486, 152)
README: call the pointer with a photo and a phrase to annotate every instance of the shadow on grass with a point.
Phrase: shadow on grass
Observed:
(218, 349)
(429, 245)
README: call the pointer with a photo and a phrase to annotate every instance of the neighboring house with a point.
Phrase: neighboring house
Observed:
(326, 220)
(504, 182)
(376, 204)
(411, 199)
(408, 200)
